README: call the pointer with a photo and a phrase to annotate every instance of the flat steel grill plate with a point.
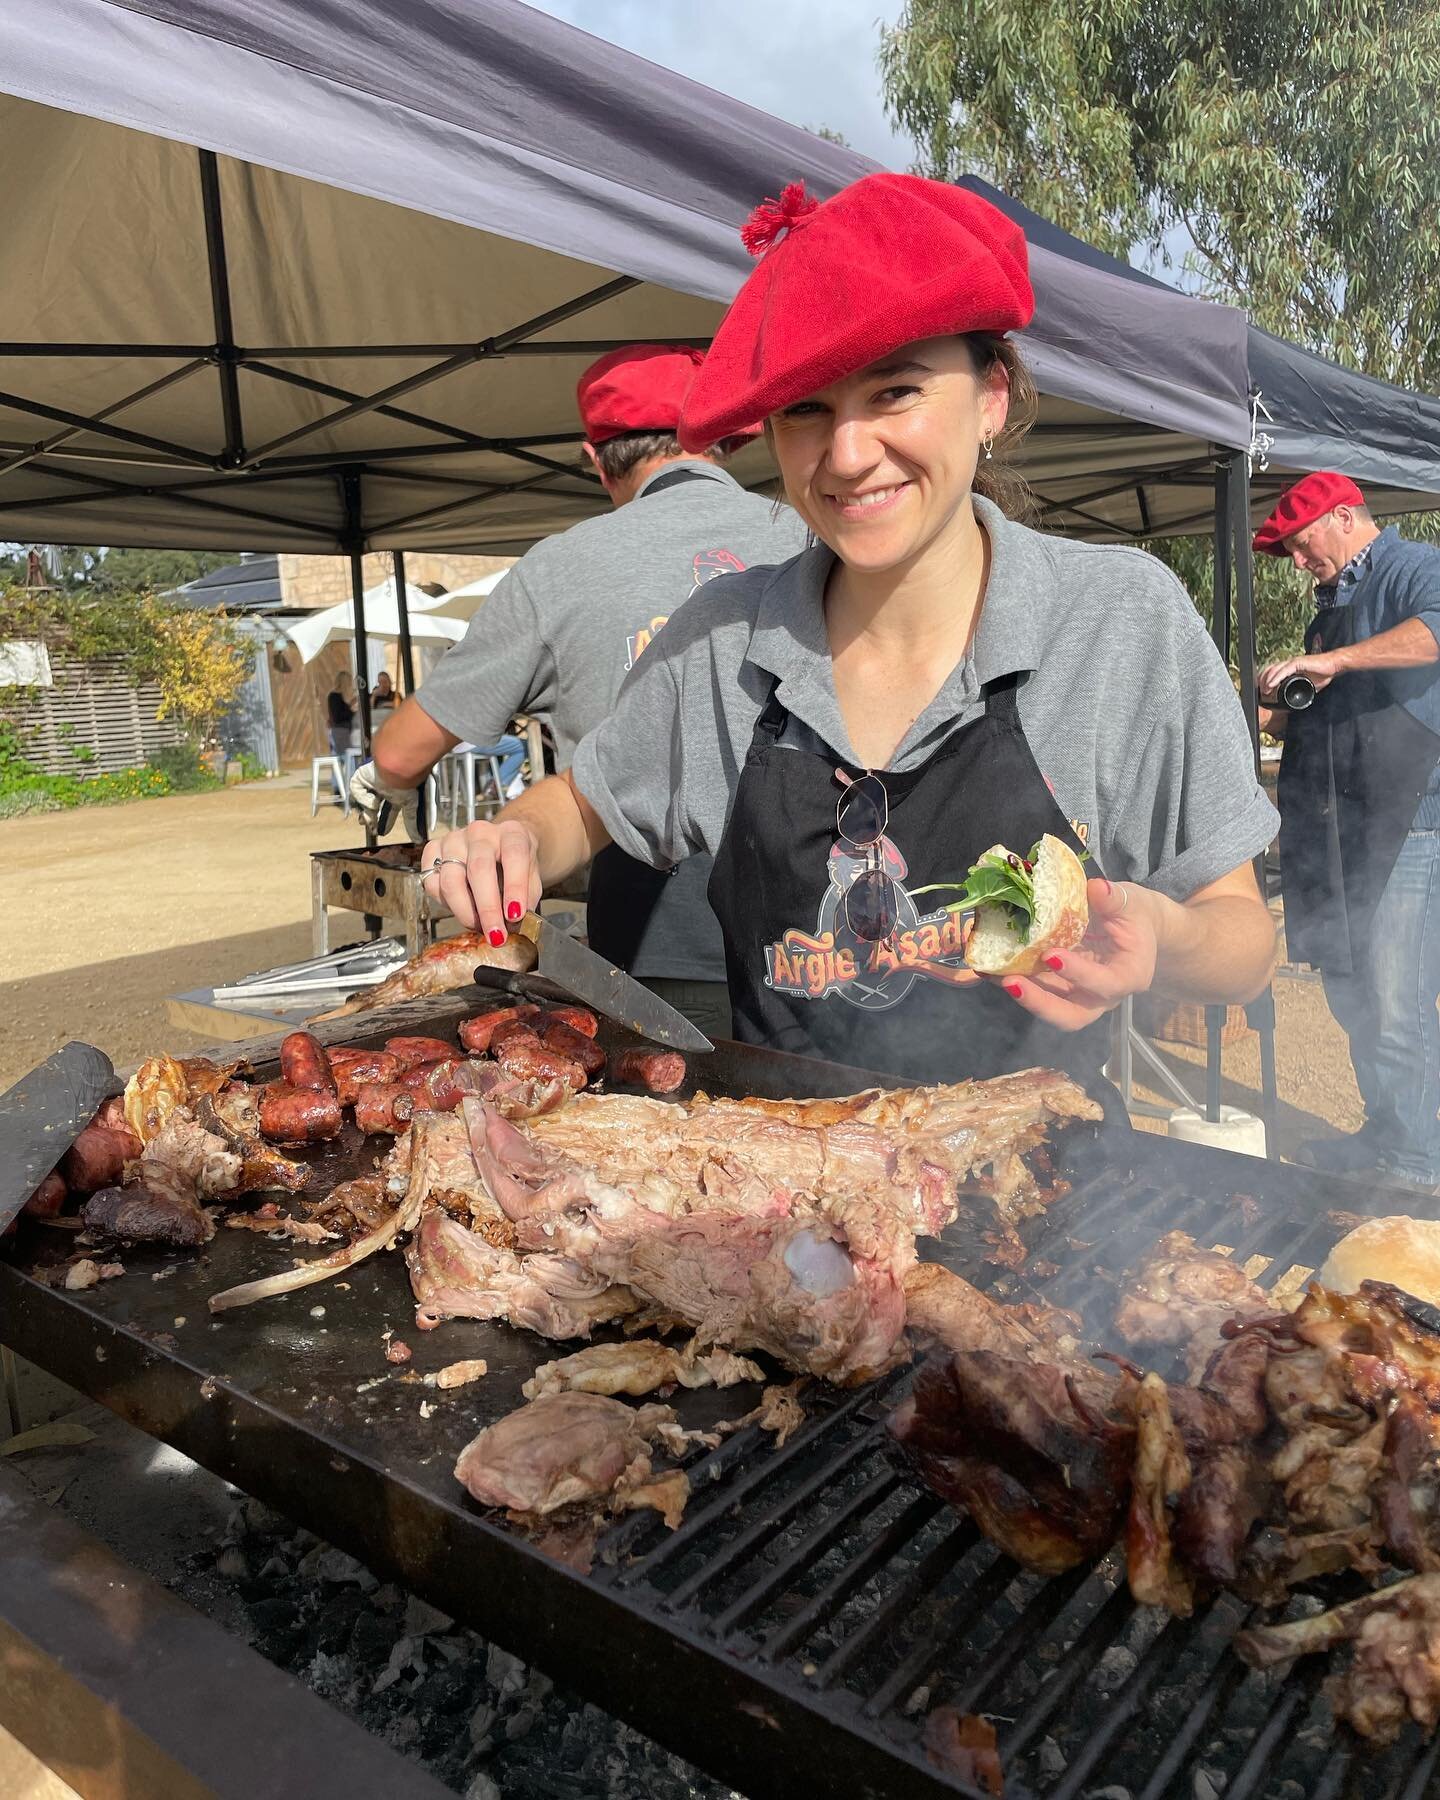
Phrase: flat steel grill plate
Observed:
(817, 1600)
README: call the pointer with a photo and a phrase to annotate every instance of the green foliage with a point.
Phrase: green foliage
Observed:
(183, 770)
(197, 658)
(251, 767)
(1296, 144)
(1293, 144)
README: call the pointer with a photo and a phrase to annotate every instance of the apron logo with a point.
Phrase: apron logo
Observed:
(832, 960)
(1081, 829)
(708, 565)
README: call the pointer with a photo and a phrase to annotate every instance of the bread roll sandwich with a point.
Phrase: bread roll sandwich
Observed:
(1401, 1251)
(1026, 907)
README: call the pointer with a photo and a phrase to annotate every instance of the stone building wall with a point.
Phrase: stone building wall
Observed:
(318, 581)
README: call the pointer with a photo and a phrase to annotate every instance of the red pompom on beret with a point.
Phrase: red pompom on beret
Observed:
(639, 388)
(889, 260)
(1302, 505)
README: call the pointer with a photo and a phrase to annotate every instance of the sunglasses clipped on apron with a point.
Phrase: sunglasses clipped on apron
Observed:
(830, 953)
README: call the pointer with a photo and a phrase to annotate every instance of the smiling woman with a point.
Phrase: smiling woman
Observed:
(978, 683)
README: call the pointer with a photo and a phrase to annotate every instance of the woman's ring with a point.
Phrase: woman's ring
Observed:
(440, 862)
(1124, 898)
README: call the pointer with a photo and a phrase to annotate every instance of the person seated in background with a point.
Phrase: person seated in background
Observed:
(340, 714)
(383, 696)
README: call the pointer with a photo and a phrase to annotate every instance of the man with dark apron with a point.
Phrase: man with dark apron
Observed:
(1360, 811)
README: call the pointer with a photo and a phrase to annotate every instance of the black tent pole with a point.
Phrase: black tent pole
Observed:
(402, 604)
(355, 545)
(1261, 1012)
(1220, 602)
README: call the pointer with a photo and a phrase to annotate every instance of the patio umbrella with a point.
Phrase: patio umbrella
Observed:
(382, 620)
(465, 602)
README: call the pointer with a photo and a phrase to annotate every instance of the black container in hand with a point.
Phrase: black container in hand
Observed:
(1297, 693)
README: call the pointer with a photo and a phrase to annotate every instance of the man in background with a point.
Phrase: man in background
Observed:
(558, 634)
(1360, 812)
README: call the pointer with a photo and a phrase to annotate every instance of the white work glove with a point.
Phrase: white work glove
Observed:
(378, 805)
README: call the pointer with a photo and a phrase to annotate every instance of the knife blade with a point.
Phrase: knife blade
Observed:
(43, 1114)
(567, 970)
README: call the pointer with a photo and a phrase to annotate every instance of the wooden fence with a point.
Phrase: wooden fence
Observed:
(95, 707)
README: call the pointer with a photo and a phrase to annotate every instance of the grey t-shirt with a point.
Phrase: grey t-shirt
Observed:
(1125, 702)
(557, 635)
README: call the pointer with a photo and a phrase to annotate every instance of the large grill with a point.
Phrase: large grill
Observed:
(817, 1601)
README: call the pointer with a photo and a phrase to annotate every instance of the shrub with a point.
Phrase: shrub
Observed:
(182, 769)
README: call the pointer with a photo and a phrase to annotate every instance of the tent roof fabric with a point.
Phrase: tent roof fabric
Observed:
(1314, 413)
(329, 270)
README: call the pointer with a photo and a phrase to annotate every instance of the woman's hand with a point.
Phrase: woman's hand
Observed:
(1115, 958)
(489, 874)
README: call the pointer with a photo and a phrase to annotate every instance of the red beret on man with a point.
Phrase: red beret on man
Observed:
(639, 388)
(1302, 505)
(887, 261)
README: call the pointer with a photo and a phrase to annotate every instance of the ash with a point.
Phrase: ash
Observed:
(481, 1721)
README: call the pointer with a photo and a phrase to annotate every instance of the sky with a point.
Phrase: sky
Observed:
(811, 62)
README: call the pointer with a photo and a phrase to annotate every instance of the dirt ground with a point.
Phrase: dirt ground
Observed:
(103, 912)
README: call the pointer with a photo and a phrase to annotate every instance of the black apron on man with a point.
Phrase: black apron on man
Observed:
(624, 892)
(1355, 766)
(774, 890)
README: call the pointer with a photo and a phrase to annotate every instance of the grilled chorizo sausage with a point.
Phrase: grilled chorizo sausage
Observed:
(578, 1018)
(384, 1106)
(657, 1071)
(304, 1063)
(410, 1052)
(48, 1198)
(97, 1158)
(362, 1069)
(292, 1115)
(566, 1041)
(520, 1051)
(476, 1033)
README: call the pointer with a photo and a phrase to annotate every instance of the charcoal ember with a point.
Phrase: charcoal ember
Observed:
(336, 1621)
(324, 1563)
(421, 1618)
(505, 1673)
(483, 1787)
(332, 1677)
(482, 1724)
(372, 1637)
(1115, 1668)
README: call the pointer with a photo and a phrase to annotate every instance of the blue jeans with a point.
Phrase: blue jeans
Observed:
(1390, 1011)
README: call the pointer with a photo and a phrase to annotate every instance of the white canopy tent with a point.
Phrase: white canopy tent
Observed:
(465, 602)
(383, 620)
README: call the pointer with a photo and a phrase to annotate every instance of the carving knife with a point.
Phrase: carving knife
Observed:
(566, 970)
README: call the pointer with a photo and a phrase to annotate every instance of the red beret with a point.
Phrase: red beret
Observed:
(639, 388)
(1302, 505)
(889, 260)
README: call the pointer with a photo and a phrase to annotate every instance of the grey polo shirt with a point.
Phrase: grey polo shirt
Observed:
(1125, 702)
(558, 634)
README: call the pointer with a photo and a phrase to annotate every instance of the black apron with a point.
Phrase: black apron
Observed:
(623, 892)
(801, 981)
(1353, 771)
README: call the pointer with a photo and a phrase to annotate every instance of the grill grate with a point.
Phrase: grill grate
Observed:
(828, 1566)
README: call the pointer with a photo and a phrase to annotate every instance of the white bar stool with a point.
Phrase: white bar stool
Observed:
(338, 772)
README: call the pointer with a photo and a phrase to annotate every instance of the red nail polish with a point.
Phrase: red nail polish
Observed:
(1014, 989)
(1053, 962)
(1109, 885)
(514, 910)
(497, 938)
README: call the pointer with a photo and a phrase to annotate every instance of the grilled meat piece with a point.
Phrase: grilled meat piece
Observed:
(1228, 1492)
(355, 1069)
(476, 1033)
(152, 1093)
(204, 1157)
(578, 1018)
(415, 1052)
(570, 1449)
(1407, 1497)
(160, 1207)
(48, 1198)
(943, 1308)
(639, 1366)
(574, 1046)
(1395, 1673)
(234, 1116)
(519, 1050)
(203, 1076)
(458, 1274)
(440, 969)
(384, 1106)
(1181, 1294)
(1038, 1455)
(304, 1063)
(291, 1115)
(657, 1071)
(98, 1157)
(1161, 1476)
